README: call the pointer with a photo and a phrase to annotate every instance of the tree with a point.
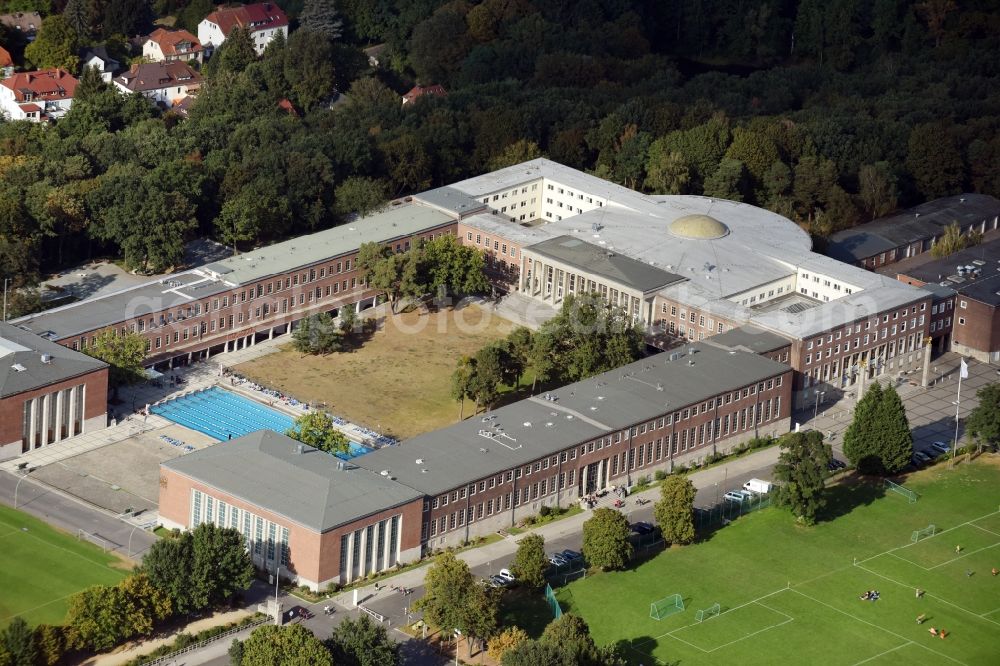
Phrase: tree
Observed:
(123, 353)
(221, 566)
(18, 640)
(877, 187)
(935, 13)
(169, 565)
(802, 467)
(362, 642)
(461, 383)
(142, 605)
(505, 641)
(316, 429)
(236, 53)
(290, 644)
(530, 563)
(953, 240)
(727, 182)
(89, 86)
(571, 635)
(322, 17)
(860, 435)
(605, 539)
(934, 160)
(51, 643)
(236, 653)
(519, 342)
(666, 170)
(438, 45)
(983, 423)
(755, 150)
(674, 512)
(308, 68)
(895, 446)
(55, 45)
(537, 653)
(522, 150)
(447, 586)
(482, 610)
(361, 195)
(317, 334)
(78, 16)
(94, 620)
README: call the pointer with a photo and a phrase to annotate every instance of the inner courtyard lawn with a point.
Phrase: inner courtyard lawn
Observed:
(41, 567)
(790, 594)
(398, 381)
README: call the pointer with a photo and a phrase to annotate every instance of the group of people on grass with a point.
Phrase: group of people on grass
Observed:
(870, 595)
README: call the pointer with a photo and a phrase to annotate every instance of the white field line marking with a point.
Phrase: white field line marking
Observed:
(964, 554)
(864, 661)
(787, 617)
(872, 624)
(986, 530)
(961, 608)
(28, 610)
(936, 534)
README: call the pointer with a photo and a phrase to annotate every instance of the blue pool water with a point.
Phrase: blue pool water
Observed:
(219, 414)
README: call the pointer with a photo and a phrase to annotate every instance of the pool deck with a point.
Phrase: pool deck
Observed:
(197, 376)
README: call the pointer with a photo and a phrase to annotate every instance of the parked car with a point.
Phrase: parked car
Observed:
(571, 555)
(507, 576)
(920, 458)
(836, 465)
(735, 496)
(498, 581)
(558, 560)
(758, 486)
(941, 447)
(642, 528)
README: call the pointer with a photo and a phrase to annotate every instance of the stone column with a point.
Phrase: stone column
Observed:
(585, 475)
(57, 426)
(862, 377)
(386, 545)
(349, 568)
(927, 363)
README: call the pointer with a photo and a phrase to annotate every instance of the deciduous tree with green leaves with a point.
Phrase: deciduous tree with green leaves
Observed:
(317, 334)
(505, 641)
(674, 512)
(983, 423)
(316, 429)
(802, 469)
(290, 644)
(55, 45)
(18, 640)
(605, 539)
(123, 353)
(362, 642)
(530, 563)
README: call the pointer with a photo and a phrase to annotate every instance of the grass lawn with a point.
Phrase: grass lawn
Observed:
(399, 381)
(41, 567)
(790, 594)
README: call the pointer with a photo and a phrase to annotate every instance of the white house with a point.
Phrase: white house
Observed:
(98, 58)
(262, 20)
(165, 45)
(163, 82)
(37, 96)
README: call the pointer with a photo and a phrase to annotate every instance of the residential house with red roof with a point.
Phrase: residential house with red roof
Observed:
(416, 92)
(37, 96)
(163, 82)
(167, 45)
(263, 21)
(6, 62)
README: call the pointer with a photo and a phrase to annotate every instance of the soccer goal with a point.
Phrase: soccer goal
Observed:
(666, 607)
(905, 492)
(707, 613)
(928, 531)
(83, 535)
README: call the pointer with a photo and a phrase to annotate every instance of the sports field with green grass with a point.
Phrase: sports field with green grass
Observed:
(41, 567)
(791, 594)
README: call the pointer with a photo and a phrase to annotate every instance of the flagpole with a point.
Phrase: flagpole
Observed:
(958, 402)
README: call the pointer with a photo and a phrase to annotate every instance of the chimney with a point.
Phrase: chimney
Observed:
(298, 449)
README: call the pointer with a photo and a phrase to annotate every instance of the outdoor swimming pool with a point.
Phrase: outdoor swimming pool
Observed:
(224, 415)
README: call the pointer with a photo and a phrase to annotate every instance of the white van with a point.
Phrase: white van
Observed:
(758, 486)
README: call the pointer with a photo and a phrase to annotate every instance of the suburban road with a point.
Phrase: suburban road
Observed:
(72, 515)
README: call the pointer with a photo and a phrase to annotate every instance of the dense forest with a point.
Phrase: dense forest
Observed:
(831, 112)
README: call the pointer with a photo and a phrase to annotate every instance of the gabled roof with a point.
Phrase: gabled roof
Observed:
(169, 39)
(158, 75)
(47, 84)
(29, 361)
(260, 16)
(101, 53)
(5, 59)
(305, 485)
(420, 91)
(598, 260)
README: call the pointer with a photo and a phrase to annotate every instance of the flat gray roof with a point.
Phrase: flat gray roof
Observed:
(606, 263)
(24, 350)
(749, 338)
(264, 468)
(217, 277)
(909, 226)
(451, 200)
(533, 428)
(983, 287)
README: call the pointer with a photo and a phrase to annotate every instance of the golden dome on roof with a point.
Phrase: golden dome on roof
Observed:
(698, 227)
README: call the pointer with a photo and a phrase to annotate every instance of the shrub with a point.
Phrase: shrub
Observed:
(659, 475)
(643, 480)
(544, 511)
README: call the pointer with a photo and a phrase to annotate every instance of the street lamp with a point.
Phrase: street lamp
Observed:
(819, 396)
(18, 484)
